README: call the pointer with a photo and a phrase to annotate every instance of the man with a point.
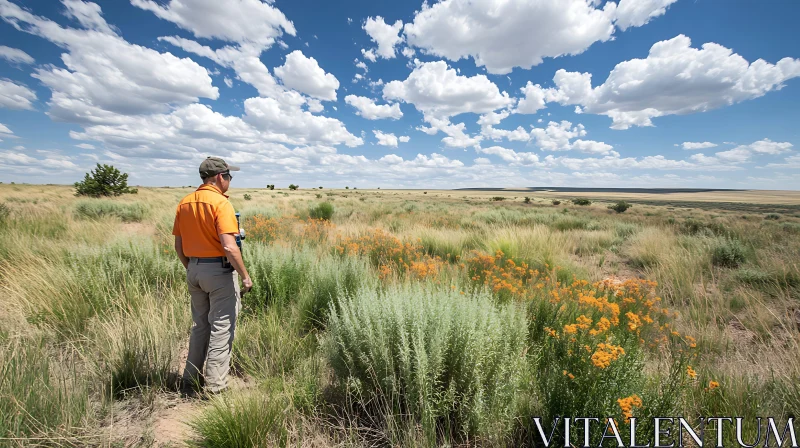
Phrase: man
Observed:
(205, 228)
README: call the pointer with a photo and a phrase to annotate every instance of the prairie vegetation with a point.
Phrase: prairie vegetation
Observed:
(396, 318)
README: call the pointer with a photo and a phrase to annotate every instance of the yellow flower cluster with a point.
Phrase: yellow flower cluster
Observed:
(286, 228)
(690, 371)
(605, 353)
(390, 254)
(627, 404)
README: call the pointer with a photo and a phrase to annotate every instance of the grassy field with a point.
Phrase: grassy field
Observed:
(400, 318)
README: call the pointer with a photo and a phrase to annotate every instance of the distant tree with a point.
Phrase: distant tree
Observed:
(105, 180)
(620, 206)
(346, 188)
(270, 187)
(293, 187)
(320, 188)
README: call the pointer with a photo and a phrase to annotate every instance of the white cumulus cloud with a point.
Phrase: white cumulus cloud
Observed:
(15, 56)
(674, 79)
(15, 96)
(767, 146)
(438, 90)
(698, 145)
(384, 35)
(105, 75)
(243, 21)
(306, 76)
(639, 12)
(367, 108)
(386, 139)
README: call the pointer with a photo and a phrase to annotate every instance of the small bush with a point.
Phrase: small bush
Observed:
(323, 210)
(620, 206)
(247, 197)
(791, 227)
(319, 196)
(498, 198)
(437, 357)
(556, 202)
(242, 419)
(293, 187)
(320, 188)
(772, 216)
(105, 180)
(99, 208)
(624, 230)
(729, 253)
(270, 187)
(581, 201)
(696, 227)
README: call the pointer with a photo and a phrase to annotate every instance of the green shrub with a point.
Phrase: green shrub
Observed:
(729, 253)
(527, 200)
(319, 196)
(772, 216)
(99, 208)
(556, 202)
(271, 187)
(293, 187)
(581, 201)
(569, 222)
(242, 419)
(323, 210)
(498, 198)
(791, 227)
(696, 227)
(105, 180)
(625, 230)
(247, 197)
(447, 362)
(620, 206)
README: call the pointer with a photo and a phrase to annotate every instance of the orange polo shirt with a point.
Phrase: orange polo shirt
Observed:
(199, 220)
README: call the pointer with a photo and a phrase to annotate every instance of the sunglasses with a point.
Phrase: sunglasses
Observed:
(227, 175)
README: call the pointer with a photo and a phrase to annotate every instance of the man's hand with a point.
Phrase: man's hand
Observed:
(247, 285)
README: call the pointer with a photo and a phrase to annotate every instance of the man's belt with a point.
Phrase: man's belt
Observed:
(210, 260)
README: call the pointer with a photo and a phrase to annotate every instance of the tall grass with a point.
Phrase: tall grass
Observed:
(63, 295)
(43, 400)
(451, 363)
(242, 419)
(99, 208)
(139, 348)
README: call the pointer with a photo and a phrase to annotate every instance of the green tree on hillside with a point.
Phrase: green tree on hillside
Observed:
(105, 180)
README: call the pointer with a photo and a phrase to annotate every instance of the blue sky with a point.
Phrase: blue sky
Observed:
(446, 94)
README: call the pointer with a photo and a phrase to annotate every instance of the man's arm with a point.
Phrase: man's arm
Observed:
(179, 251)
(228, 241)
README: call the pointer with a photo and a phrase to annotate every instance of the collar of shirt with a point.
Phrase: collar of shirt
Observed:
(210, 187)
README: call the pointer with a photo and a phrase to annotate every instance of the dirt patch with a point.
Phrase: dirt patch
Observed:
(170, 426)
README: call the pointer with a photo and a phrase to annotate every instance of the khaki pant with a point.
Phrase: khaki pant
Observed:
(215, 306)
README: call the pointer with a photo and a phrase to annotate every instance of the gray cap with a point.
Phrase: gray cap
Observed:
(213, 166)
